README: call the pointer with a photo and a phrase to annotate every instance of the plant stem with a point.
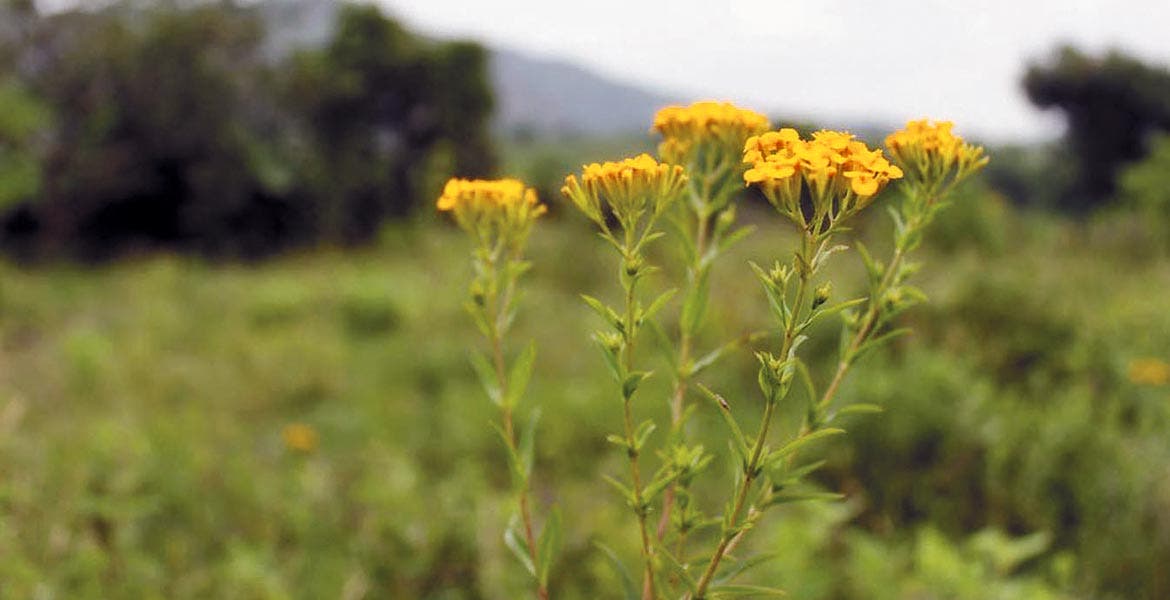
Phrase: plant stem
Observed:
(682, 378)
(628, 422)
(868, 323)
(498, 308)
(750, 473)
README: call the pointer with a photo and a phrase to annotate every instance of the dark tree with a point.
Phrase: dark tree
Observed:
(1113, 104)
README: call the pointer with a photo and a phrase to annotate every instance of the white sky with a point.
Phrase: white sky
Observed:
(879, 62)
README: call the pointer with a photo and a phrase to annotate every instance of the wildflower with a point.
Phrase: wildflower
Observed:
(932, 154)
(841, 173)
(492, 210)
(714, 131)
(630, 188)
(1149, 371)
(299, 437)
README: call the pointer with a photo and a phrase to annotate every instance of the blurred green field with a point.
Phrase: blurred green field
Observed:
(143, 407)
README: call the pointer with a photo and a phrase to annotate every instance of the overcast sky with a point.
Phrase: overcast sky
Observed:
(854, 60)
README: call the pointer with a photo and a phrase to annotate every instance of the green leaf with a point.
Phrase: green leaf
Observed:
(793, 497)
(665, 344)
(611, 359)
(487, 377)
(633, 380)
(605, 312)
(684, 574)
(527, 445)
(629, 591)
(626, 492)
(740, 567)
(804, 440)
(679, 230)
(478, 318)
(514, 540)
(695, 305)
(881, 339)
(520, 374)
(872, 268)
(736, 236)
(739, 442)
(657, 304)
(831, 310)
(513, 458)
(776, 300)
(860, 408)
(738, 591)
(549, 545)
(784, 476)
(642, 433)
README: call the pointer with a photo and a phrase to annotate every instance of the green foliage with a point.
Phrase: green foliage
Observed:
(1145, 191)
(22, 118)
(142, 409)
(174, 126)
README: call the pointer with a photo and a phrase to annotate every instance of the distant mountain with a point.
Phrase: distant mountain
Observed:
(550, 97)
(537, 97)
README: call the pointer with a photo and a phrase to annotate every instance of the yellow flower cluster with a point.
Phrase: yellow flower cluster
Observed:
(630, 187)
(932, 154)
(1149, 371)
(842, 174)
(489, 208)
(299, 437)
(720, 126)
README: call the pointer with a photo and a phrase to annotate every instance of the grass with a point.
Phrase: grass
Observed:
(142, 406)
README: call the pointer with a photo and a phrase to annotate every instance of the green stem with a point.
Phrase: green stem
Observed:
(750, 473)
(682, 378)
(498, 307)
(628, 421)
(868, 324)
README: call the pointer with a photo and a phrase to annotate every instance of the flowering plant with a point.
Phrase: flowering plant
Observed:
(709, 153)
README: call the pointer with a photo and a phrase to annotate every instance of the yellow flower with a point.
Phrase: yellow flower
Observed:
(1149, 371)
(299, 437)
(840, 172)
(497, 209)
(629, 187)
(719, 128)
(932, 154)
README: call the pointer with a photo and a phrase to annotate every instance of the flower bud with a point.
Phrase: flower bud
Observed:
(821, 295)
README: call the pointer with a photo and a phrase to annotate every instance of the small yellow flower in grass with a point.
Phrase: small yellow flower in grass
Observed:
(497, 209)
(300, 437)
(715, 128)
(1149, 371)
(933, 155)
(631, 188)
(841, 173)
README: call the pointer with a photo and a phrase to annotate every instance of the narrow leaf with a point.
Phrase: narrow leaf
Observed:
(515, 542)
(736, 236)
(487, 377)
(678, 568)
(527, 445)
(629, 591)
(520, 374)
(804, 440)
(695, 305)
(603, 311)
(658, 303)
(743, 566)
(549, 545)
(793, 497)
(753, 591)
(739, 442)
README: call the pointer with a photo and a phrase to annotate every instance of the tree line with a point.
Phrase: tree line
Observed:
(140, 127)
